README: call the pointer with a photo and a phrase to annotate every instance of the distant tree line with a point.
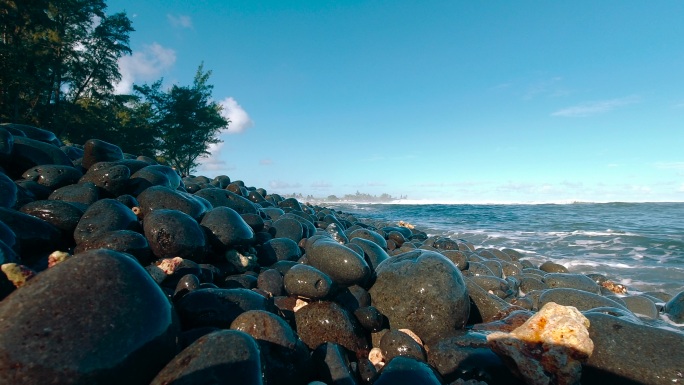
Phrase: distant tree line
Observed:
(59, 69)
(358, 197)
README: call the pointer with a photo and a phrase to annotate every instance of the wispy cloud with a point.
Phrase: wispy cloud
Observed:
(542, 87)
(265, 162)
(596, 107)
(239, 118)
(679, 104)
(669, 165)
(281, 185)
(144, 65)
(321, 185)
(179, 21)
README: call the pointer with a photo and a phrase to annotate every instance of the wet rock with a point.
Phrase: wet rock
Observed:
(6, 143)
(332, 365)
(254, 221)
(222, 357)
(125, 241)
(374, 254)
(404, 370)
(674, 308)
(8, 191)
(396, 343)
(154, 175)
(582, 300)
(289, 228)
(320, 322)
(27, 153)
(53, 176)
(219, 198)
(477, 268)
(103, 216)
(271, 281)
(172, 233)
(63, 215)
(227, 229)
(370, 318)
(422, 291)
(625, 352)
(187, 283)
(35, 190)
(161, 197)
(84, 193)
(369, 235)
(217, 307)
(308, 282)
(572, 281)
(552, 267)
(111, 180)
(32, 132)
(236, 281)
(36, 238)
(494, 285)
(353, 297)
(95, 150)
(484, 307)
(548, 348)
(130, 335)
(458, 257)
(341, 264)
(278, 249)
(531, 283)
(466, 356)
(641, 305)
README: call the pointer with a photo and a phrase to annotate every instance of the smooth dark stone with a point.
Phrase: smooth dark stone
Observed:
(217, 307)
(290, 203)
(128, 200)
(254, 221)
(161, 197)
(552, 267)
(172, 233)
(222, 357)
(85, 193)
(307, 222)
(320, 322)
(396, 236)
(530, 283)
(103, 216)
(112, 180)
(278, 249)
(218, 198)
(353, 297)
(395, 343)
(641, 305)
(308, 282)
(34, 133)
(187, 283)
(53, 176)
(8, 237)
(459, 258)
(628, 353)
(511, 268)
(466, 356)
(479, 268)
(370, 318)
(285, 358)
(226, 228)
(35, 189)
(494, 266)
(95, 150)
(272, 212)
(271, 281)
(36, 237)
(494, 285)
(674, 308)
(337, 233)
(289, 228)
(404, 370)
(63, 215)
(7, 255)
(154, 175)
(369, 235)
(582, 300)
(237, 281)
(484, 306)
(27, 153)
(374, 254)
(131, 327)
(8, 191)
(125, 241)
(422, 291)
(445, 244)
(572, 281)
(332, 364)
(6, 143)
(344, 266)
(72, 152)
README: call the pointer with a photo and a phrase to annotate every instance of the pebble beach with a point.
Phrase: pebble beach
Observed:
(117, 270)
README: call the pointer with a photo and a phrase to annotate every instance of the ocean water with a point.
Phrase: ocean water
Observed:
(640, 245)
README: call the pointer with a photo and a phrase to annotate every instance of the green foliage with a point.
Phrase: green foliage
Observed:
(185, 119)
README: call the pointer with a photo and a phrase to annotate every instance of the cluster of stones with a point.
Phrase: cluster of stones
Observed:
(117, 270)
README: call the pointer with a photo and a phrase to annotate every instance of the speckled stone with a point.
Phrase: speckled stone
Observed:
(674, 308)
(422, 291)
(396, 343)
(308, 282)
(53, 176)
(217, 307)
(289, 228)
(572, 281)
(641, 305)
(103, 216)
(485, 307)
(344, 266)
(278, 249)
(582, 300)
(63, 215)
(36, 238)
(172, 233)
(224, 357)
(8, 191)
(404, 370)
(625, 352)
(218, 198)
(552, 267)
(161, 197)
(125, 241)
(95, 150)
(226, 228)
(84, 193)
(324, 321)
(332, 365)
(373, 253)
(131, 326)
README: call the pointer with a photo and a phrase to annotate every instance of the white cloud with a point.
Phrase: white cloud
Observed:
(144, 65)
(265, 162)
(542, 87)
(179, 21)
(597, 107)
(669, 165)
(239, 119)
(321, 185)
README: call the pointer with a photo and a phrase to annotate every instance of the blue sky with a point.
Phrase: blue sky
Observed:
(447, 101)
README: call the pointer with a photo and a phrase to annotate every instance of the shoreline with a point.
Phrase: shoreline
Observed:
(162, 280)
